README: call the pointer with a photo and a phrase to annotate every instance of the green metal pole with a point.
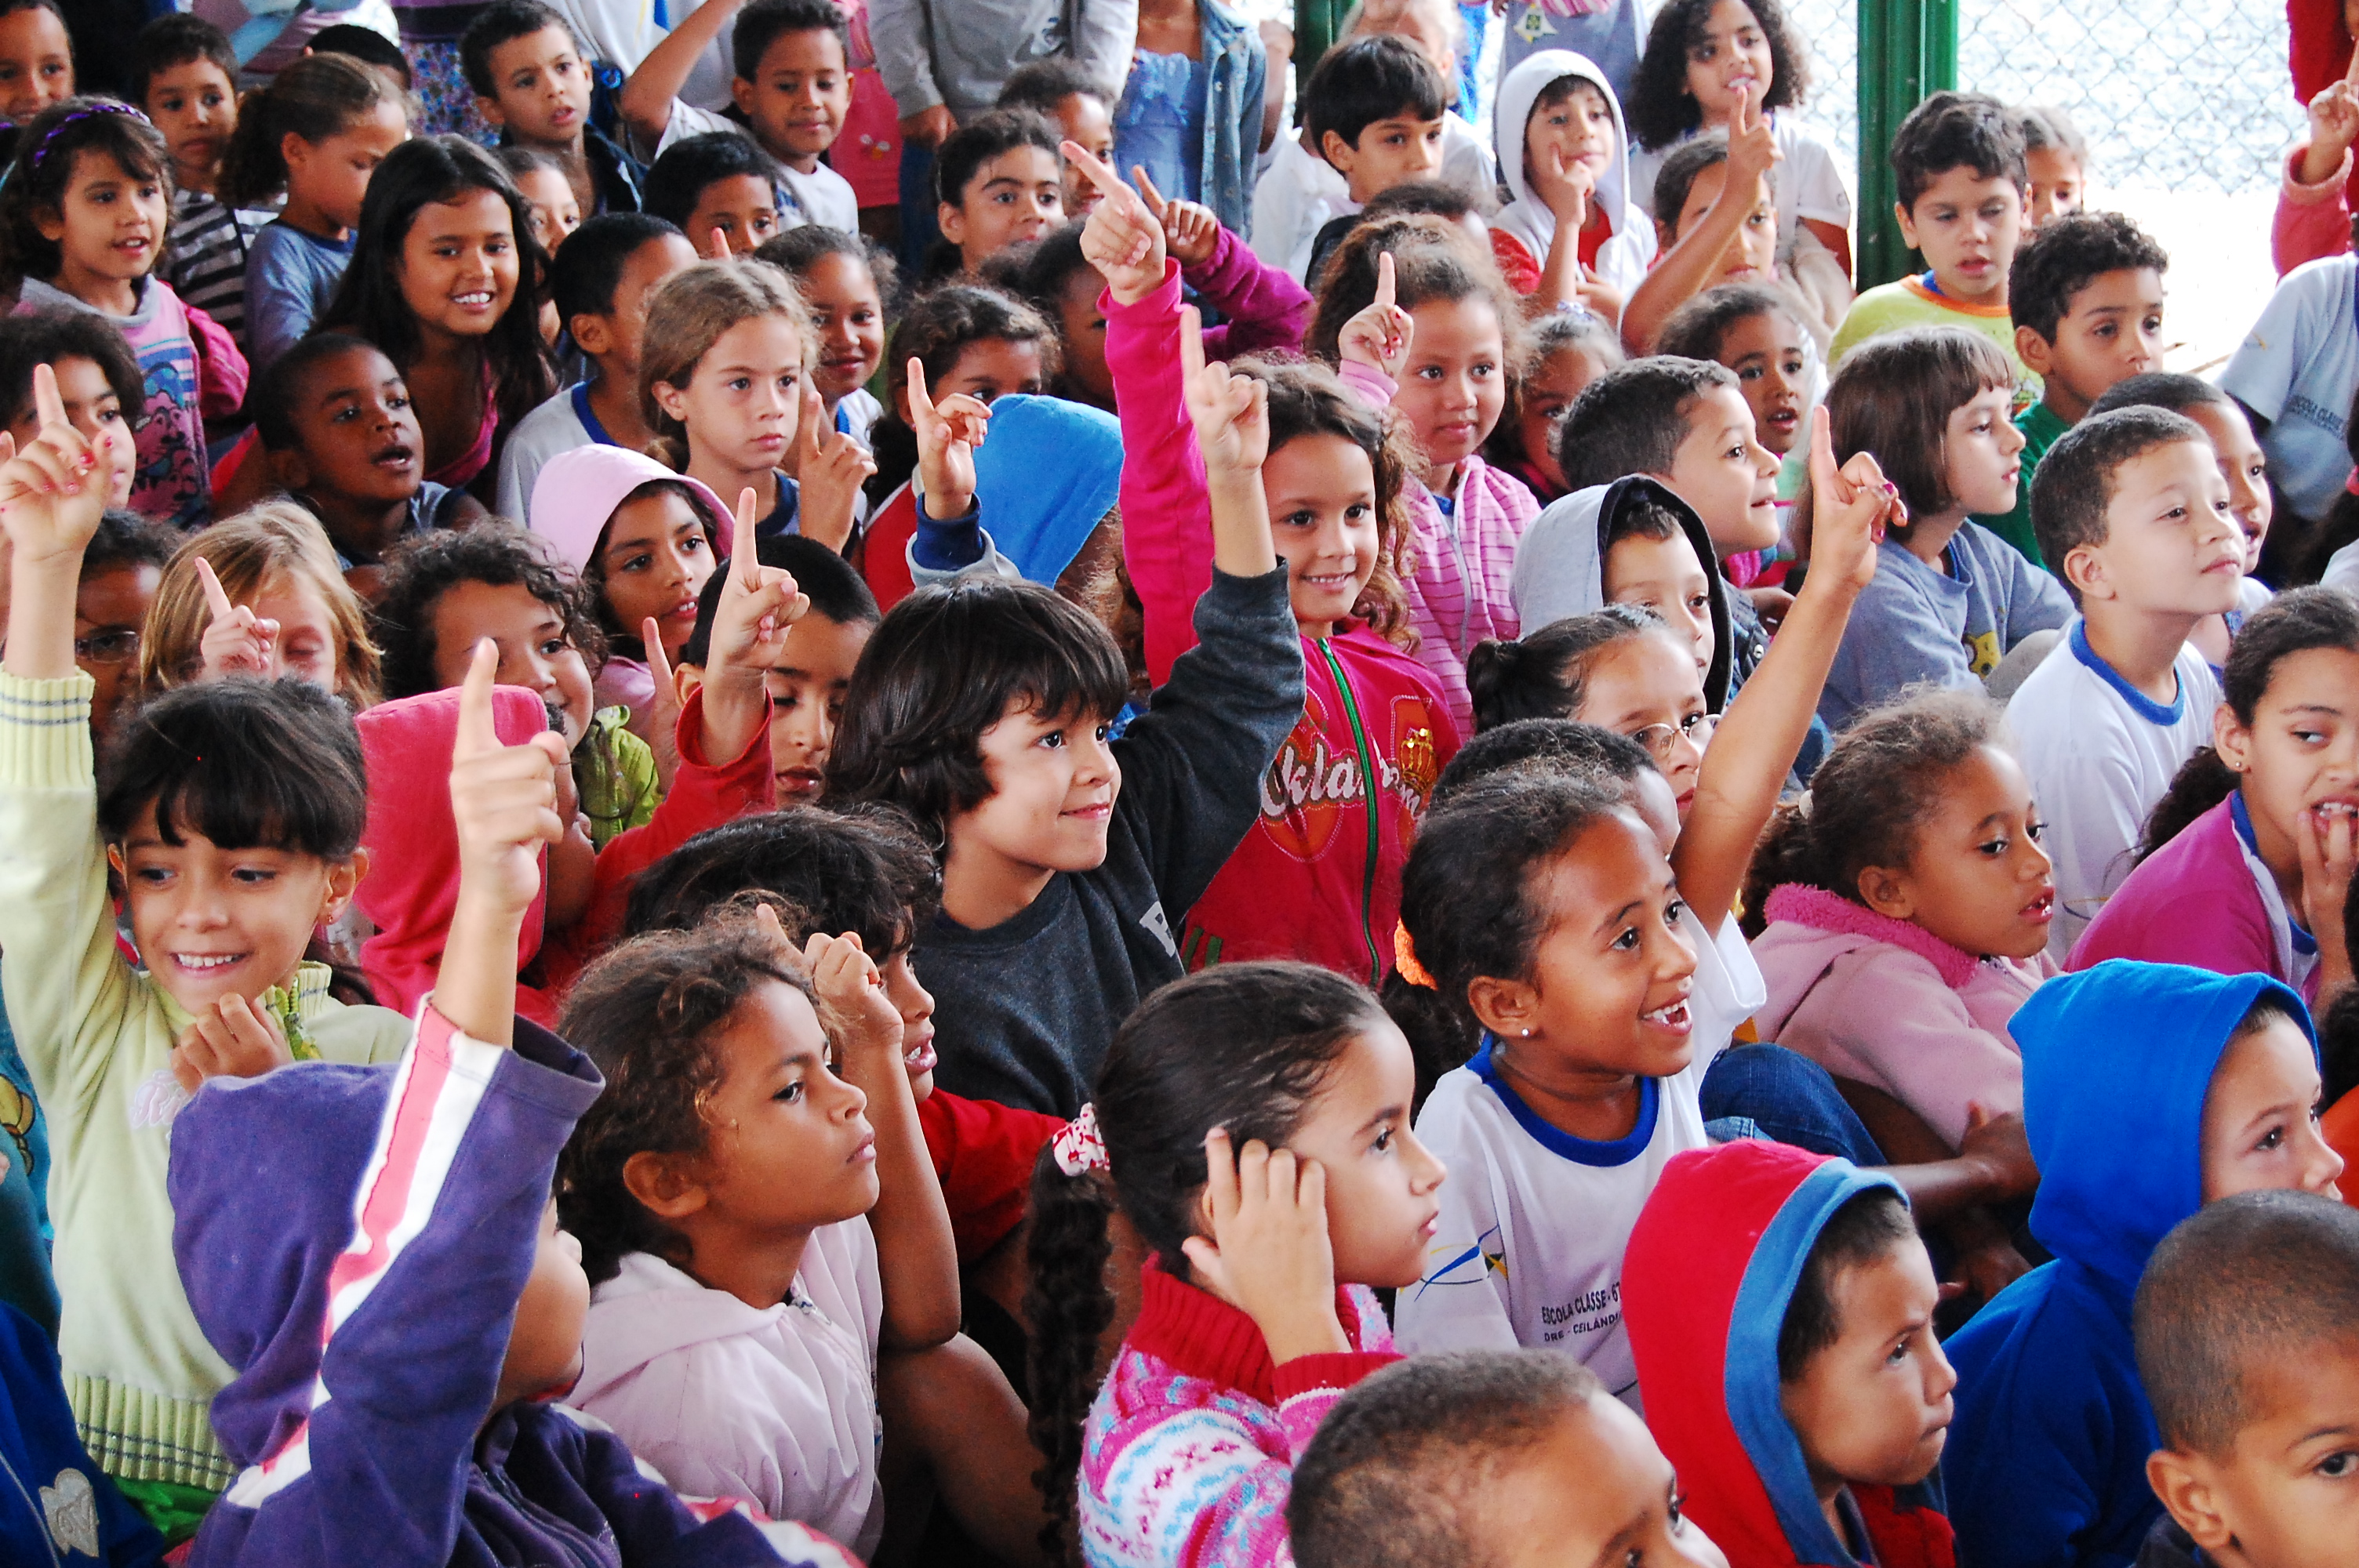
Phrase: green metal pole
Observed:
(1907, 49)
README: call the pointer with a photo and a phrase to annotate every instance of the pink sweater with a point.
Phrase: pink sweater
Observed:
(1188, 1453)
(2312, 221)
(1893, 1006)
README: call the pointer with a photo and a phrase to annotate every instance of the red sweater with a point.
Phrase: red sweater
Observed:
(983, 1153)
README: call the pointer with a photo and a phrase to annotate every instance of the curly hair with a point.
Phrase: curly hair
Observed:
(2058, 261)
(495, 552)
(863, 870)
(1661, 110)
(650, 1014)
(935, 330)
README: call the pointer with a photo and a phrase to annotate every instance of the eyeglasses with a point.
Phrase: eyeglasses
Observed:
(1658, 737)
(108, 647)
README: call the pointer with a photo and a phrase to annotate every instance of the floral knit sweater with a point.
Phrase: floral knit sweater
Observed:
(1187, 1455)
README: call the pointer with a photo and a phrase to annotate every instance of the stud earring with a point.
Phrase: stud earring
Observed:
(1528, 1035)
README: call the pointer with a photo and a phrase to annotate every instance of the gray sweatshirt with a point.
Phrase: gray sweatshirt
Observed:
(959, 53)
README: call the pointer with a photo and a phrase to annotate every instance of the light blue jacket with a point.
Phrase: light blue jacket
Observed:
(1233, 112)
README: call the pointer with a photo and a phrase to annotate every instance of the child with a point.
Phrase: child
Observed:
(1371, 120)
(1815, 1441)
(1440, 357)
(1959, 161)
(2056, 160)
(99, 385)
(182, 74)
(317, 133)
(471, 1276)
(1755, 329)
(611, 267)
(1463, 1458)
(1563, 351)
(1440, 31)
(447, 282)
(2085, 294)
(2150, 1091)
(1721, 227)
(1293, 1088)
(120, 569)
(2135, 518)
(37, 64)
(1906, 906)
(1188, 120)
(2238, 869)
(334, 418)
(998, 185)
(1949, 600)
(216, 784)
(1080, 104)
(2295, 376)
(2242, 1325)
(1571, 236)
(540, 178)
(846, 282)
(530, 80)
(290, 611)
(716, 325)
(792, 90)
(719, 189)
(1319, 878)
(86, 213)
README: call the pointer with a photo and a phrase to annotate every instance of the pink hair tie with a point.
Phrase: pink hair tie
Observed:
(1079, 1148)
(2351, 484)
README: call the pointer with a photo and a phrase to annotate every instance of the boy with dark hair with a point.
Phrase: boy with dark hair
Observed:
(2085, 294)
(718, 181)
(1465, 1458)
(367, 45)
(600, 283)
(184, 74)
(1372, 119)
(2150, 1091)
(1066, 94)
(792, 91)
(1960, 160)
(2247, 1348)
(530, 81)
(2132, 513)
(1781, 1314)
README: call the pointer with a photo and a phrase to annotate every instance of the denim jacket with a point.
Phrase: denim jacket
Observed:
(1233, 113)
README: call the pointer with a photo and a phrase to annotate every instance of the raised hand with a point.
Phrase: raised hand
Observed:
(1566, 189)
(1379, 335)
(1122, 238)
(236, 641)
(852, 1003)
(716, 245)
(1268, 1252)
(1231, 412)
(2326, 838)
(830, 468)
(503, 799)
(2334, 119)
(757, 606)
(1190, 230)
(663, 710)
(233, 1039)
(1850, 509)
(53, 491)
(1751, 146)
(948, 433)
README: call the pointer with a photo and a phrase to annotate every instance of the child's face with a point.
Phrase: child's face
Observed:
(332, 174)
(2244, 466)
(744, 399)
(556, 211)
(1728, 476)
(1732, 58)
(93, 409)
(1751, 256)
(1873, 1409)
(1648, 688)
(1083, 326)
(2172, 546)
(1540, 403)
(613, 338)
(988, 370)
(109, 609)
(2300, 752)
(2110, 330)
(1976, 875)
(1053, 781)
(657, 557)
(807, 702)
(195, 106)
(1087, 124)
(544, 1354)
(458, 264)
(540, 90)
(1765, 353)
(915, 1003)
(1455, 382)
(1665, 576)
(2282, 1496)
(2260, 1118)
(1390, 152)
(850, 316)
(36, 63)
(1596, 1489)
(1578, 129)
(743, 206)
(357, 436)
(110, 227)
(799, 96)
(535, 651)
(308, 643)
(210, 923)
(1968, 228)
(1984, 452)
(2055, 183)
(1322, 491)
(788, 1146)
(1381, 1181)
(1014, 198)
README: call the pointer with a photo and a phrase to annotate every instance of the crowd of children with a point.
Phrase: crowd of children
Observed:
(1378, 841)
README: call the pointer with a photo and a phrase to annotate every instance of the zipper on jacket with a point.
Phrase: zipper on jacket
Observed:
(1368, 779)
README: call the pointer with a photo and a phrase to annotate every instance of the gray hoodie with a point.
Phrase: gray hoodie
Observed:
(960, 52)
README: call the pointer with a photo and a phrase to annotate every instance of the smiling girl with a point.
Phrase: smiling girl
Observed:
(847, 282)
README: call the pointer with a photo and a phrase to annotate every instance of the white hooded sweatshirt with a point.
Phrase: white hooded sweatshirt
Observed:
(1623, 259)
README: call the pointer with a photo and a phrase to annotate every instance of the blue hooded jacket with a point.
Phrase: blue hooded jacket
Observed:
(56, 1506)
(2046, 1459)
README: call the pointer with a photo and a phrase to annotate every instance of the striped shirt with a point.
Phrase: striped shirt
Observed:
(205, 261)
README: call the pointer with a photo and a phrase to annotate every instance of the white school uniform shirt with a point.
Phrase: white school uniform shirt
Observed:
(2099, 754)
(1295, 197)
(821, 197)
(1534, 1221)
(2298, 369)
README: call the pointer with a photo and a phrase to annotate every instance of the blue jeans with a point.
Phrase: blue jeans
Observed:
(1790, 1098)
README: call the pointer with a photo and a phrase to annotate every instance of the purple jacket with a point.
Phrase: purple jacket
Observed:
(354, 1241)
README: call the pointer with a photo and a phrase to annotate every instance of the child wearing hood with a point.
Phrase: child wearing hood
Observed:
(2150, 1091)
(1780, 1307)
(1573, 235)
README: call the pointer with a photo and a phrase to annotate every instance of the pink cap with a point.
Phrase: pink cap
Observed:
(578, 492)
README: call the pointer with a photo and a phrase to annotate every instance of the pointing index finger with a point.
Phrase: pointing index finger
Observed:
(216, 597)
(1191, 343)
(1384, 280)
(1094, 170)
(743, 559)
(49, 408)
(1155, 203)
(477, 734)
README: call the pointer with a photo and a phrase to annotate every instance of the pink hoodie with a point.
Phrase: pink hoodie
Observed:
(1893, 1006)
